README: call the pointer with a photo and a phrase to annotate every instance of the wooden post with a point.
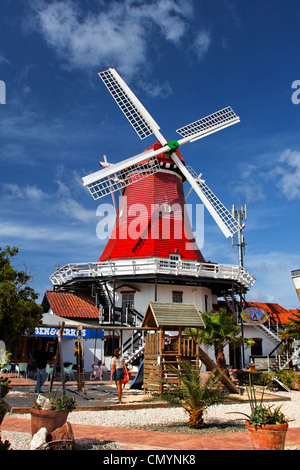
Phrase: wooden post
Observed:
(179, 343)
(58, 356)
(161, 367)
(197, 349)
(62, 371)
(80, 361)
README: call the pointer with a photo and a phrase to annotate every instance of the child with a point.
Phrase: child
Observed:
(98, 370)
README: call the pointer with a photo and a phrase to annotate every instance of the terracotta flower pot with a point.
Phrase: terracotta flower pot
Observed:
(49, 419)
(268, 437)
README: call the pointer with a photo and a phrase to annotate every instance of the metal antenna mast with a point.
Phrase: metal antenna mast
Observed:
(240, 215)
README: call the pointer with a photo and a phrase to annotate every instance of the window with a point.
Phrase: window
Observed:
(173, 260)
(256, 349)
(206, 302)
(127, 300)
(111, 343)
(176, 297)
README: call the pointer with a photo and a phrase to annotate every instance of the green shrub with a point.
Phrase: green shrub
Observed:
(288, 377)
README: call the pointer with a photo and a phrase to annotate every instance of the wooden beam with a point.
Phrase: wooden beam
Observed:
(212, 366)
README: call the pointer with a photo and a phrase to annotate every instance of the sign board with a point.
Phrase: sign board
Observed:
(254, 315)
(52, 332)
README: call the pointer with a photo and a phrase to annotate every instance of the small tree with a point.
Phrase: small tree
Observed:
(191, 392)
(18, 310)
(290, 333)
(221, 330)
(292, 329)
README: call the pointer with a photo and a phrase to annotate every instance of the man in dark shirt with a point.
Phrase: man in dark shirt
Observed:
(42, 356)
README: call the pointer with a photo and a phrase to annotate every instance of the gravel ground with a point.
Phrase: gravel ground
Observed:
(218, 418)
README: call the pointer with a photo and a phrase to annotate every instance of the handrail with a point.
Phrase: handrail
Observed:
(152, 266)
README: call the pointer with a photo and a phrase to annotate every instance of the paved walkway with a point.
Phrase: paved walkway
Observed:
(132, 439)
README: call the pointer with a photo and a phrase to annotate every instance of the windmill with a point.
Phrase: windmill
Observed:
(161, 261)
(134, 169)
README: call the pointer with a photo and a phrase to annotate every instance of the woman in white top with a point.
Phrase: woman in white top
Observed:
(118, 370)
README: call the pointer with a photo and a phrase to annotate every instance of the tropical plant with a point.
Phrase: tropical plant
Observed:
(191, 392)
(292, 329)
(5, 387)
(61, 403)
(221, 330)
(261, 414)
(18, 310)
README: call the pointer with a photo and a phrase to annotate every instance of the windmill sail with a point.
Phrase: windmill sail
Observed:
(136, 168)
(207, 125)
(218, 211)
(137, 115)
(116, 177)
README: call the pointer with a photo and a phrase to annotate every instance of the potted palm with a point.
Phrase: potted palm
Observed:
(268, 425)
(5, 387)
(191, 392)
(50, 412)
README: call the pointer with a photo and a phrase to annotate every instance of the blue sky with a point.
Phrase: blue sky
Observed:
(184, 60)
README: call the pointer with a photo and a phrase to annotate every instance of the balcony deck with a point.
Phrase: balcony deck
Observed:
(145, 266)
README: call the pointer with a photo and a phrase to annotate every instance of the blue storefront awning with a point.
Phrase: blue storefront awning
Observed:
(50, 331)
(50, 327)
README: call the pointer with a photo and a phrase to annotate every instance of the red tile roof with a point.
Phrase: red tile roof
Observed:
(72, 304)
(277, 313)
(294, 311)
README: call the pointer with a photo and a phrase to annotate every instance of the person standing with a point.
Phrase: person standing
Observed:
(42, 356)
(118, 371)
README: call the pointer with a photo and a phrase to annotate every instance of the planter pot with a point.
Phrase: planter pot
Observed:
(49, 419)
(268, 437)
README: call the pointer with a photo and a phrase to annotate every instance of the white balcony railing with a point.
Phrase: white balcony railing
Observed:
(144, 266)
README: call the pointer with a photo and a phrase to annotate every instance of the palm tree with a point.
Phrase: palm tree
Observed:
(291, 332)
(221, 330)
(292, 329)
(191, 392)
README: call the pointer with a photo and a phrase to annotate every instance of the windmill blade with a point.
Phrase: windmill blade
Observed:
(118, 176)
(208, 125)
(137, 115)
(218, 211)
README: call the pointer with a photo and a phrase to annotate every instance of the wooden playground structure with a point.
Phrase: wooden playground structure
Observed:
(162, 350)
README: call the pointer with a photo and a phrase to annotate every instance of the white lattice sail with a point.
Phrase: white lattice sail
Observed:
(137, 115)
(107, 181)
(222, 212)
(209, 124)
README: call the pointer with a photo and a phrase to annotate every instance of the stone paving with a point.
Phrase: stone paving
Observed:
(103, 395)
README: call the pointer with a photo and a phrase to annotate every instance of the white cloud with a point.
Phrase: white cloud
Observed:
(14, 191)
(59, 202)
(4, 60)
(280, 173)
(114, 33)
(288, 173)
(202, 43)
(274, 283)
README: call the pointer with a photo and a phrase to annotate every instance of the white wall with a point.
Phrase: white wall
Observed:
(88, 350)
(146, 292)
